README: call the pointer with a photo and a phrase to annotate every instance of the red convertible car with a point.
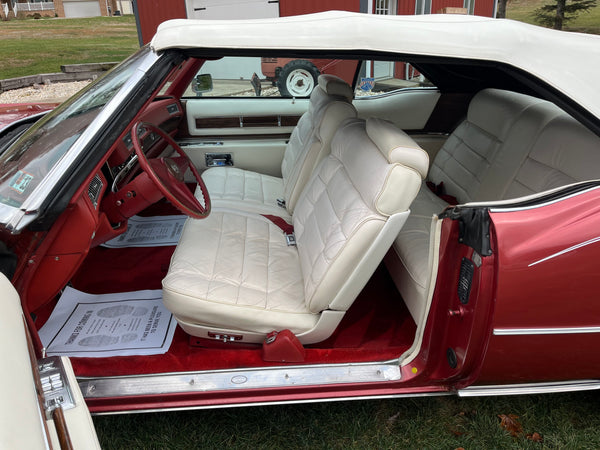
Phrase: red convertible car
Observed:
(167, 251)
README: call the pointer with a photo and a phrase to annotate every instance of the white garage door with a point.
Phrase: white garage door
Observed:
(81, 8)
(231, 9)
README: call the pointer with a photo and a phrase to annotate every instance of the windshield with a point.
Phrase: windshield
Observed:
(25, 164)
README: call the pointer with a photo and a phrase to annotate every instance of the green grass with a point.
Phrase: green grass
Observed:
(569, 421)
(522, 10)
(30, 47)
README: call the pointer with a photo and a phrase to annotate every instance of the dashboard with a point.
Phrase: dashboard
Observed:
(166, 113)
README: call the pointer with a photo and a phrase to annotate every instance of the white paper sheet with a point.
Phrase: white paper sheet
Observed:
(97, 326)
(157, 231)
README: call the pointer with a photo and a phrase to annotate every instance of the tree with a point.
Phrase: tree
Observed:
(501, 10)
(11, 12)
(561, 11)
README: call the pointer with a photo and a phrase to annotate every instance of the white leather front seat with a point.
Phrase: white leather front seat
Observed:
(330, 104)
(233, 273)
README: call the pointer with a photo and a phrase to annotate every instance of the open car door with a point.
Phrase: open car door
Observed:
(43, 405)
(546, 326)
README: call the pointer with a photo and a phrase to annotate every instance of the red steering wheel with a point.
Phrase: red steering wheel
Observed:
(168, 173)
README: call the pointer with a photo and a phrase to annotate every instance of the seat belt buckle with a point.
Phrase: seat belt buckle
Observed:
(290, 239)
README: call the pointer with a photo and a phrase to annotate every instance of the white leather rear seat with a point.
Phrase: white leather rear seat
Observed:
(510, 145)
(233, 273)
(230, 187)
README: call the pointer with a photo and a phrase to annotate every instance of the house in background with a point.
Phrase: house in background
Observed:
(64, 8)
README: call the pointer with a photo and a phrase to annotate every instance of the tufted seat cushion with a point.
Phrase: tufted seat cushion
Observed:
(330, 104)
(510, 145)
(243, 269)
(234, 274)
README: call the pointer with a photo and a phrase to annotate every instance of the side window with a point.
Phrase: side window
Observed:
(297, 77)
(379, 77)
(266, 77)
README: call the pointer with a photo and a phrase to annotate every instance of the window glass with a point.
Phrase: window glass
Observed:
(27, 162)
(380, 77)
(289, 77)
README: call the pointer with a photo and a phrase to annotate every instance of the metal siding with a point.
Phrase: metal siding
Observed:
(295, 7)
(406, 7)
(484, 8)
(152, 13)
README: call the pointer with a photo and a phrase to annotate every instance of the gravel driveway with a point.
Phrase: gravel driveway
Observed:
(40, 93)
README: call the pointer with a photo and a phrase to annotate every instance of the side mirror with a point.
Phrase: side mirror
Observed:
(202, 83)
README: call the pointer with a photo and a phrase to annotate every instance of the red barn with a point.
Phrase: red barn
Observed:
(150, 13)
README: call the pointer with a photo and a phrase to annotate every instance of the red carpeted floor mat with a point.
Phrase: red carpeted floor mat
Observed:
(377, 327)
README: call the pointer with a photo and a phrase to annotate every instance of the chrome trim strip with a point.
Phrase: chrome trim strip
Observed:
(567, 250)
(220, 380)
(416, 89)
(30, 208)
(543, 331)
(530, 388)
(281, 402)
(499, 203)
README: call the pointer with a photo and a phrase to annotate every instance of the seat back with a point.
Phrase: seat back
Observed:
(353, 207)
(330, 104)
(463, 162)
(512, 145)
(564, 152)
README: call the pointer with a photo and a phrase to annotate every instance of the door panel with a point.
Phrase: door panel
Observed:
(253, 131)
(23, 423)
(546, 323)
(258, 155)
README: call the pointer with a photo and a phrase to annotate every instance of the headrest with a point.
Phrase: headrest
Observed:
(333, 85)
(396, 145)
(383, 163)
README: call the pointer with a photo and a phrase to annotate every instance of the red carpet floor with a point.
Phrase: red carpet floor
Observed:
(377, 327)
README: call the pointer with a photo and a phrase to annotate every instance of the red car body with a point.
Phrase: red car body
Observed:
(13, 112)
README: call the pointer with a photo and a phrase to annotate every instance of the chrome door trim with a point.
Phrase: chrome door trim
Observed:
(530, 388)
(241, 379)
(544, 331)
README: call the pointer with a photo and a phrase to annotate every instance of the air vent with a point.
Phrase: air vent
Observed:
(94, 190)
(173, 109)
(467, 268)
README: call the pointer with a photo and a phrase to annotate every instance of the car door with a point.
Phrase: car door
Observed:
(546, 321)
(44, 407)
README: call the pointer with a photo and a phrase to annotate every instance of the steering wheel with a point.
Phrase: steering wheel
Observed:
(167, 173)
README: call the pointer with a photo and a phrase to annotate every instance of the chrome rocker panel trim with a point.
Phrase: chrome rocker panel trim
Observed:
(221, 380)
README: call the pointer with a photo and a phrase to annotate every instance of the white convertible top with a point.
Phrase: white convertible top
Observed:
(570, 62)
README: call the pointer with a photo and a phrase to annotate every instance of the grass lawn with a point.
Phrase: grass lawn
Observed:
(569, 421)
(586, 22)
(30, 47)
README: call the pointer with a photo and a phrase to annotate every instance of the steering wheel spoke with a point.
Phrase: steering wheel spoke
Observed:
(168, 174)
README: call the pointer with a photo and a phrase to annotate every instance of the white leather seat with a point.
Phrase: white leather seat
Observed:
(230, 187)
(510, 145)
(233, 273)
